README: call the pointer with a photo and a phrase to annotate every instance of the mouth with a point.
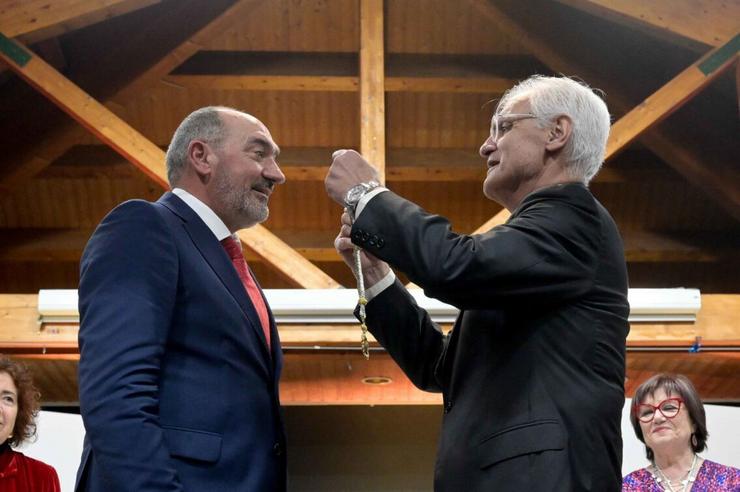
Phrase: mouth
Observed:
(660, 429)
(263, 190)
(491, 163)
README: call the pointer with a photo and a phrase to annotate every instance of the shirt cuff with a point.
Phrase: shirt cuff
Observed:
(380, 286)
(366, 198)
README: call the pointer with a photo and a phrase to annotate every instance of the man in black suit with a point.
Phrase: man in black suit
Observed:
(532, 372)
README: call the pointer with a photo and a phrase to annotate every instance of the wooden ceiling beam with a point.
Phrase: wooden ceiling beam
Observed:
(23, 17)
(674, 153)
(678, 91)
(66, 245)
(715, 324)
(88, 19)
(687, 22)
(54, 145)
(467, 85)
(147, 157)
(372, 85)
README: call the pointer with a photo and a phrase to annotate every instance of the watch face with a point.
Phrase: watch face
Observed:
(354, 194)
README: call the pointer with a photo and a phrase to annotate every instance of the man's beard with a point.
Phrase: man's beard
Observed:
(239, 202)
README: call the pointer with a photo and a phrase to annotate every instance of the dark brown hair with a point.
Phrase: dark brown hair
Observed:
(28, 399)
(679, 385)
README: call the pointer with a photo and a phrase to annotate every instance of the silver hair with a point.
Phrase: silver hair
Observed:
(202, 124)
(553, 96)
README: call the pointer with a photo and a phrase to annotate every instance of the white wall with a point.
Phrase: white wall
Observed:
(60, 440)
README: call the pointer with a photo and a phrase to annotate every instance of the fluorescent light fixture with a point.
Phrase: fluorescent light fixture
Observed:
(336, 306)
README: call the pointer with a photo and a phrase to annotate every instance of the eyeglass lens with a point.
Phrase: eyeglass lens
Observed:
(669, 409)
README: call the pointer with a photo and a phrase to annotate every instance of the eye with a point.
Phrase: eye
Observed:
(259, 153)
(645, 412)
(8, 399)
(504, 127)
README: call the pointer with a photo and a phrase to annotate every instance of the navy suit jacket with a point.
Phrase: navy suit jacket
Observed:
(177, 388)
(532, 374)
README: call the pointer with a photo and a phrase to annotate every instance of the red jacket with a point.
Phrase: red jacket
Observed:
(19, 473)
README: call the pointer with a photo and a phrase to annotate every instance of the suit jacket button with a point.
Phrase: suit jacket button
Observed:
(277, 449)
(380, 242)
(448, 407)
(357, 235)
(365, 236)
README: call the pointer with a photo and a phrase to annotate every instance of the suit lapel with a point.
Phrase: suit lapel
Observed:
(215, 255)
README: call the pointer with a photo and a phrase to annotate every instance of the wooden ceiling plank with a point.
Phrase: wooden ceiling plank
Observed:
(372, 85)
(672, 95)
(18, 18)
(706, 23)
(265, 82)
(90, 18)
(146, 156)
(673, 152)
(188, 48)
(467, 85)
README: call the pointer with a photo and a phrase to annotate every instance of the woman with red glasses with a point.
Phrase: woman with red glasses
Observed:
(668, 416)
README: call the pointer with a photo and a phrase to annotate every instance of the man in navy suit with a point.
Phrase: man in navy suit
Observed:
(179, 358)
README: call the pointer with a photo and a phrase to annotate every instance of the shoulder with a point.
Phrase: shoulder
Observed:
(637, 480)
(724, 473)
(39, 468)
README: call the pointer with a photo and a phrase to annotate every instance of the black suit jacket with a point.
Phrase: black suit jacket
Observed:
(177, 388)
(532, 373)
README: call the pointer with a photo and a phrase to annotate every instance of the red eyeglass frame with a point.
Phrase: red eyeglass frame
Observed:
(656, 408)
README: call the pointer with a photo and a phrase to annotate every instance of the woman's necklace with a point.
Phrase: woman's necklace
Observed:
(687, 479)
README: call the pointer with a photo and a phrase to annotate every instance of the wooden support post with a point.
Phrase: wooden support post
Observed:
(372, 84)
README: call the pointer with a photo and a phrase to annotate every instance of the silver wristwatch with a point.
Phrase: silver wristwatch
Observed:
(354, 194)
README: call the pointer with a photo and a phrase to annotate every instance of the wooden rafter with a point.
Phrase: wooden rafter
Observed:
(23, 17)
(681, 89)
(146, 156)
(54, 145)
(705, 23)
(372, 84)
(673, 153)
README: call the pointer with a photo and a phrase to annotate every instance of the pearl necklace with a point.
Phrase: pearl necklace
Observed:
(666, 483)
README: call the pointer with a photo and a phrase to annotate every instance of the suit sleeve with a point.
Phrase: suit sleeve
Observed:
(543, 256)
(128, 285)
(405, 330)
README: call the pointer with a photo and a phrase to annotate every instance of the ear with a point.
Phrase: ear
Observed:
(559, 133)
(201, 157)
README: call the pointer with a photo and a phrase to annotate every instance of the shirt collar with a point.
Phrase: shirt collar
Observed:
(214, 223)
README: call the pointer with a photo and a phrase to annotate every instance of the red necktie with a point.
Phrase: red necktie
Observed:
(233, 248)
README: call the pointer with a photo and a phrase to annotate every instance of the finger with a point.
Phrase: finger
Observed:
(346, 219)
(342, 244)
(337, 153)
(345, 231)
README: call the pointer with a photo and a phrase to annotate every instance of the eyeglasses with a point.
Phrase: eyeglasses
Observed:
(502, 123)
(668, 407)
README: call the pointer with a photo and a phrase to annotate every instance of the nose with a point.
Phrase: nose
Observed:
(658, 418)
(272, 172)
(488, 147)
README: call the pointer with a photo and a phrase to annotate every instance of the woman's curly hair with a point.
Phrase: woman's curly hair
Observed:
(28, 399)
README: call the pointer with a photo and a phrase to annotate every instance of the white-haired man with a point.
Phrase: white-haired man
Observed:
(532, 372)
